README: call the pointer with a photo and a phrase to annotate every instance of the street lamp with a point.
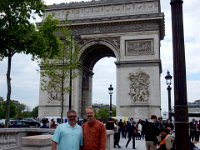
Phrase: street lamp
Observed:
(110, 90)
(180, 86)
(168, 78)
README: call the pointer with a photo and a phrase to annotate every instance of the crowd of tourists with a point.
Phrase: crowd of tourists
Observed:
(156, 133)
(91, 135)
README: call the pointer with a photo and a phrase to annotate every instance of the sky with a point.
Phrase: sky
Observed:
(25, 77)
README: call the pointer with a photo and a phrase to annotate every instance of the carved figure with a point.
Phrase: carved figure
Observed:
(139, 87)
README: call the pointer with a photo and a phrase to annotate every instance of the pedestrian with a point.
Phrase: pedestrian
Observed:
(116, 135)
(160, 124)
(139, 130)
(169, 124)
(167, 139)
(110, 125)
(196, 131)
(44, 123)
(53, 124)
(94, 132)
(192, 129)
(132, 132)
(68, 136)
(121, 127)
(151, 132)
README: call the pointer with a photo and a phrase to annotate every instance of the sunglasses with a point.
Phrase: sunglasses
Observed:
(71, 116)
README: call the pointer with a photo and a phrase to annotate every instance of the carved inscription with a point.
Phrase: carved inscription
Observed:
(139, 47)
(139, 87)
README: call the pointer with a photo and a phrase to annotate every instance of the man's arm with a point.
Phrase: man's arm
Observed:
(103, 138)
(54, 146)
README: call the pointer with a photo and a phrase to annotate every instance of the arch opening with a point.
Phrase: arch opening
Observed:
(90, 56)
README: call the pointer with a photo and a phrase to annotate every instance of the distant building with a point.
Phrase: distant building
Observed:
(193, 111)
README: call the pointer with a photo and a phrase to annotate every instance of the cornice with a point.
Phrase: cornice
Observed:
(92, 3)
(154, 20)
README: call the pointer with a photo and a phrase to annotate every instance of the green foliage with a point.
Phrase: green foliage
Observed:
(102, 113)
(15, 27)
(1, 111)
(57, 71)
(12, 110)
(26, 114)
(114, 111)
(34, 112)
(19, 35)
(19, 110)
(16, 109)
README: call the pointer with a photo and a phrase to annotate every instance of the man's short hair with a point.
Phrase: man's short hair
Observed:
(71, 111)
(153, 117)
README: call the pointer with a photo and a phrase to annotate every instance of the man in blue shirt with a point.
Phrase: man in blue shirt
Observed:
(68, 136)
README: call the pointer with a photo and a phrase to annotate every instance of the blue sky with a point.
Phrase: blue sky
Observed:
(25, 78)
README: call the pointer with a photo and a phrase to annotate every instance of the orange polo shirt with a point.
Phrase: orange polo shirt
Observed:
(94, 136)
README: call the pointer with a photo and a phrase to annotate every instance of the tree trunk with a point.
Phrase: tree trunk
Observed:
(7, 109)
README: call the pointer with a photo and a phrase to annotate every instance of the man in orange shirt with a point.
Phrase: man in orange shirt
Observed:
(94, 132)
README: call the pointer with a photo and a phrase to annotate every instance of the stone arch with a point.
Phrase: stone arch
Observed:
(96, 43)
(129, 30)
(89, 55)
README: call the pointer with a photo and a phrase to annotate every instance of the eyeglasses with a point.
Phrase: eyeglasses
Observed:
(71, 116)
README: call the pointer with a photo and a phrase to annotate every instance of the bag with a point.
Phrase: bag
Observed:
(162, 147)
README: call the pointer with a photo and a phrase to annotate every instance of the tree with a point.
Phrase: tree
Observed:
(1, 111)
(19, 110)
(34, 112)
(19, 35)
(56, 72)
(102, 113)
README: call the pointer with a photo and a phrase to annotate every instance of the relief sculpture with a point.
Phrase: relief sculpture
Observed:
(53, 96)
(139, 47)
(139, 87)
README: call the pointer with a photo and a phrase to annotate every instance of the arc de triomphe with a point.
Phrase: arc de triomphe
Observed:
(130, 31)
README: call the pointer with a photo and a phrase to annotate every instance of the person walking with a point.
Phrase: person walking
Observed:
(132, 132)
(192, 129)
(68, 136)
(151, 132)
(169, 124)
(116, 135)
(94, 132)
(121, 127)
(196, 131)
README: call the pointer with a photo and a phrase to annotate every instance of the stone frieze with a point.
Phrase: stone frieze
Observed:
(139, 47)
(118, 28)
(106, 10)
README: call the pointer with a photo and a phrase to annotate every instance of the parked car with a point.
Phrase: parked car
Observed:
(2, 123)
(18, 124)
(31, 122)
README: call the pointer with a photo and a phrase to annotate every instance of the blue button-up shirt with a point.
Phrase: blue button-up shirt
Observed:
(67, 137)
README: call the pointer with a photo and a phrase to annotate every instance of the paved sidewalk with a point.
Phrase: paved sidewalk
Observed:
(139, 144)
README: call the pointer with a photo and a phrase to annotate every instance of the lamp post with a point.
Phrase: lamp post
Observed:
(180, 86)
(110, 90)
(168, 78)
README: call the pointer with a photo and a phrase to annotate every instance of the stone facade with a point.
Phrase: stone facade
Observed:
(130, 31)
